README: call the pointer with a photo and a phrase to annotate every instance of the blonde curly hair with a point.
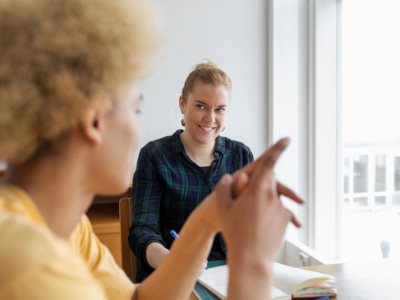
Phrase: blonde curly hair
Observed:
(59, 58)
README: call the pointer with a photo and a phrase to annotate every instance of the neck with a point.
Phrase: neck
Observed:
(57, 188)
(201, 154)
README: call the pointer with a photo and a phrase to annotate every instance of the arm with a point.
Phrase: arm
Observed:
(175, 278)
(260, 222)
(145, 237)
(156, 254)
(256, 217)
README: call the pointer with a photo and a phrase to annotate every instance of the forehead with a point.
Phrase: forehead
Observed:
(209, 92)
(128, 96)
(130, 93)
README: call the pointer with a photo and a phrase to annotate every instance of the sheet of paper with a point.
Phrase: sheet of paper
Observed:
(217, 279)
(277, 294)
(291, 279)
(286, 280)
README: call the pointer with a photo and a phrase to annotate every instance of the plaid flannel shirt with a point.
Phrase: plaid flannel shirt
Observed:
(168, 186)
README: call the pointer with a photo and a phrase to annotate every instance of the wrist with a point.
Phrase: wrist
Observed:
(247, 261)
(202, 217)
(250, 277)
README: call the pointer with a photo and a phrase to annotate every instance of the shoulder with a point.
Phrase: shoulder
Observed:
(22, 228)
(235, 146)
(100, 261)
(36, 262)
(29, 243)
(156, 145)
(82, 233)
(162, 146)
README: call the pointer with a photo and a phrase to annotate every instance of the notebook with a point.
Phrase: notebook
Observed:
(288, 282)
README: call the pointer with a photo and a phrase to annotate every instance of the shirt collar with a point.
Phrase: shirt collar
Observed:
(177, 145)
(18, 201)
(176, 142)
(219, 147)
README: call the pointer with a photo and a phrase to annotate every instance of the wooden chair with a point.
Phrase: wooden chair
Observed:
(128, 257)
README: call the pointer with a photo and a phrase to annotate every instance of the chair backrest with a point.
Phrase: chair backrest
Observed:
(128, 257)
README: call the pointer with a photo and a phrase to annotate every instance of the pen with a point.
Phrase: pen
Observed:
(174, 234)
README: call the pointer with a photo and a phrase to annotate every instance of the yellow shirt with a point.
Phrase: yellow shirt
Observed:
(36, 264)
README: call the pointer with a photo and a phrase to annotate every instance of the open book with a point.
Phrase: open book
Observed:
(288, 282)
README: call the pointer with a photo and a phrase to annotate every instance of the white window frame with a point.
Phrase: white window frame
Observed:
(390, 152)
(303, 103)
(326, 140)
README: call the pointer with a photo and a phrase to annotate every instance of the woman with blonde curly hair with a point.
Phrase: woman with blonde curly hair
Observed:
(68, 131)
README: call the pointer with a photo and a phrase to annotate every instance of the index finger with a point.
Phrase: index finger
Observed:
(285, 191)
(249, 169)
(266, 164)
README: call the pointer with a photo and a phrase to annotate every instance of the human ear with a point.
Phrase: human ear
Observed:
(92, 127)
(181, 105)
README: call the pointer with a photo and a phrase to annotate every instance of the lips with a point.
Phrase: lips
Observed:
(205, 128)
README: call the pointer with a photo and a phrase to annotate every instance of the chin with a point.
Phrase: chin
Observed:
(208, 139)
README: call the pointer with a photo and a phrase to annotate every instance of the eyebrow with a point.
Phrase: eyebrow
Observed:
(205, 104)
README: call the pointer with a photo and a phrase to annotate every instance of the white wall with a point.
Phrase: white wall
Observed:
(233, 34)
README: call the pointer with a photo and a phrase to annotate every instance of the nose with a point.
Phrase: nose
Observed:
(209, 116)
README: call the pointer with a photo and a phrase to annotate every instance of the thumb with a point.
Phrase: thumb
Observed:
(239, 183)
(223, 190)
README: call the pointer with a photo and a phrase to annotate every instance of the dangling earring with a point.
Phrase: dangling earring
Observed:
(183, 122)
(223, 129)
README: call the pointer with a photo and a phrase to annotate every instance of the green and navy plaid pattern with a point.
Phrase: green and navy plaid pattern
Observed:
(167, 187)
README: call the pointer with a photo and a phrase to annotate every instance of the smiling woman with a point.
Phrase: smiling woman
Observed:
(175, 173)
(205, 113)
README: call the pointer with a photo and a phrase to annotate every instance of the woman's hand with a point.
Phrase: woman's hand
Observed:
(204, 266)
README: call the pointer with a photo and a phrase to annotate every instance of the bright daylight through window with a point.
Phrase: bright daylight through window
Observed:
(370, 70)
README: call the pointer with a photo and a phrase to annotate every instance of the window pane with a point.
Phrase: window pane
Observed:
(397, 173)
(396, 200)
(360, 174)
(380, 173)
(370, 102)
(346, 203)
(380, 201)
(346, 173)
(361, 202)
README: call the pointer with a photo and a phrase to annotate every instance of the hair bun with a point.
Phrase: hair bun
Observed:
(208, 73)
(206, 65)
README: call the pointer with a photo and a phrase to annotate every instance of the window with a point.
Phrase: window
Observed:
(336, 64)
(370, 72)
